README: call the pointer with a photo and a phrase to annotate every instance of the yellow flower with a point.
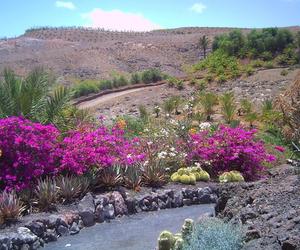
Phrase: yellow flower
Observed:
(121, 124)
(192, 131)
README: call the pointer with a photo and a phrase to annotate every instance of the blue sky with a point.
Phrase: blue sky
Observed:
(18, 15)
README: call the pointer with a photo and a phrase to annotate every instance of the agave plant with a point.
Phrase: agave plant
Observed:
(11, 207)
(69, 187)
(109, 177)
(228, 106)
(31, 96)
(46, 193)
(154, 174)
(133, 176)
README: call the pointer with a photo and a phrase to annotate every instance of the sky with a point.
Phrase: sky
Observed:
(140, 15)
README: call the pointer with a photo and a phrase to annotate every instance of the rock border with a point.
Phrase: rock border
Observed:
(92, 209)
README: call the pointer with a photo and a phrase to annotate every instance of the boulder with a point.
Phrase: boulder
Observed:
(86, 208)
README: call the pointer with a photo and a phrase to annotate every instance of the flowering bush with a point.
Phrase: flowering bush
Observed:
(29, 150)
(230, 149)
(101, 147)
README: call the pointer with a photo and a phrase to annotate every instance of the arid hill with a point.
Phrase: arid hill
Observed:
(89, 53)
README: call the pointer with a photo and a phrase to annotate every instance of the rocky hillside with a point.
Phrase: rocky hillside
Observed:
(86, 53)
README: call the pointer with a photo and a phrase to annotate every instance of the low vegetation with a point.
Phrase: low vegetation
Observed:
(87, 87)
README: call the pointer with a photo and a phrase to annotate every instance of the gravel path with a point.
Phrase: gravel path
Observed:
(137, 232)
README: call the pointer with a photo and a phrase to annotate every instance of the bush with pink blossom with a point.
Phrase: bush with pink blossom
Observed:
(230, 149)
(101, 147)
(28, 151)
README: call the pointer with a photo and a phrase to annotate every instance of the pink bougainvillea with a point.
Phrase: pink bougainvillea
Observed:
(230, 149)
(101, 147)
(28, 151)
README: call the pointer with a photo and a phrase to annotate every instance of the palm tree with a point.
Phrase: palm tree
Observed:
(228, 106)
(32, 96)
(208, 101)
(203, 44)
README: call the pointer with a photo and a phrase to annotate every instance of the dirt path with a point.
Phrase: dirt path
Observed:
(102, 99)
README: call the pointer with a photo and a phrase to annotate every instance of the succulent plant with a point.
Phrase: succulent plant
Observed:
(190, 175)
(10, 207)
(187, 228)
(185, 179)
(46, 193)
(133, 176)
(69, 187)
(232, 176)
(166, 240)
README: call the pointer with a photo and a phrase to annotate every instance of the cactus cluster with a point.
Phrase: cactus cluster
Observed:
(190, 175)
(232, 176)
(169, 241)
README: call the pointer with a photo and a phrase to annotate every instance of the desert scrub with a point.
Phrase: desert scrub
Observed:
(214, 234)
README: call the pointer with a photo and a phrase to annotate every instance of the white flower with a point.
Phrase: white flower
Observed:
(150, 143)
(129, 156)
(197, 164)
(172, 149)
(183, 127)
(173, 122)
(204, 125)
(146, 130)
(162, 155)
(172, 154)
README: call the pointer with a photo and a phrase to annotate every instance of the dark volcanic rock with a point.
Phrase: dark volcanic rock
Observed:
(269, 208)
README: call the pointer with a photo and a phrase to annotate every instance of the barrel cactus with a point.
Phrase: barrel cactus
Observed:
(166, 240)
(232, 176)
(190, 175)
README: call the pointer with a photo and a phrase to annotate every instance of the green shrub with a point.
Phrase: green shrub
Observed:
(85, 88)
(257, 63)
(269, 65)
(144, 115)
(201, 85)
(249, 70)
(151, 76)
(134, 126)
(284, 72)
(220, 65)
(119, 81)
(179, 84)
(213, 233)
(193, 81)
(135, 78)
(105, 84)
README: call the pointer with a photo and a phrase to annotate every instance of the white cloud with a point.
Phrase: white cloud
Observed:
(66, 5)
(198, 8)
(118, 20)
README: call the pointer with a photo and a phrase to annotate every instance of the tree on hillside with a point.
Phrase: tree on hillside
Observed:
(203, 44)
